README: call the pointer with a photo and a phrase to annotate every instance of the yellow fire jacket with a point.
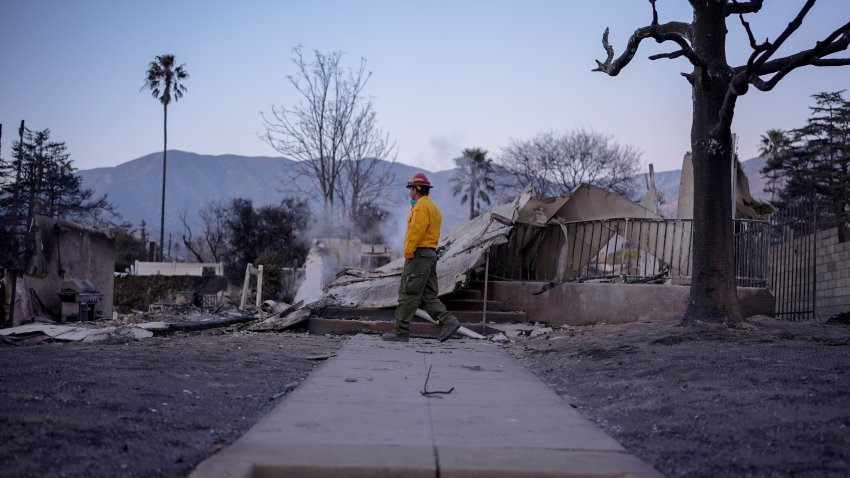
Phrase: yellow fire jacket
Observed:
(423, 226)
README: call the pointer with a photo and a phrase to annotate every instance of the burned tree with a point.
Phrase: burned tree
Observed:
(555, 162)
(210, 243)
(715, 88)
(332, 134)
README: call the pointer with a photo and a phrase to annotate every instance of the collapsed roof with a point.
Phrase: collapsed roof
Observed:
(463, 248)
(459, 251)
(586, 208)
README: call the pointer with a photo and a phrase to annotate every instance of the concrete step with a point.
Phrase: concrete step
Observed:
(464, 294)
(352, 313)
(321, 326)
(498, 317)
(387, 315)
(472, 304)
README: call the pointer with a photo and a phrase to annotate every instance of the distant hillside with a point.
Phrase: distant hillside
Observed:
(135, 187)
(194, 180)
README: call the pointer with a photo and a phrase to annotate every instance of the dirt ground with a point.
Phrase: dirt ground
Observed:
(770, 399)
(142, 408)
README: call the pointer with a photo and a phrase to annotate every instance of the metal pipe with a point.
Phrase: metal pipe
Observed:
(486, 280)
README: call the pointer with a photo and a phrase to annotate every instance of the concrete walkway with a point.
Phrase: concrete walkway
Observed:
(361, 414)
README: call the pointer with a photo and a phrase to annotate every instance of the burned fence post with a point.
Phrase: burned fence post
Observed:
(250, 270)
(10, 278)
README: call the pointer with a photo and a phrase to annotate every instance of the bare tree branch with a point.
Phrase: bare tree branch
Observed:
(555, 163)
(791, 28)
(214, 228)
(753, 44)
(188, 241)
(743, 7)
(782, 66)
(678, 32)
(831, 62)
(758, 64)
(670, 56)
(332, 133)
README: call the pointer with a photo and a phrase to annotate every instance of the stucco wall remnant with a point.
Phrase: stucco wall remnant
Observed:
(585, 303)
(64, 250)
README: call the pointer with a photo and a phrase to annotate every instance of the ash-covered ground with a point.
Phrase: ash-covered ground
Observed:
(771, 399)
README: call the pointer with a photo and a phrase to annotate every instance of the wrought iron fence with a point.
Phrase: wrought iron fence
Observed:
(752, 250)
(621, 249)
(793, 261)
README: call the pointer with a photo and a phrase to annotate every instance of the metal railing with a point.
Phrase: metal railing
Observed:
(752, 251)
(793, 261)
(620, 249)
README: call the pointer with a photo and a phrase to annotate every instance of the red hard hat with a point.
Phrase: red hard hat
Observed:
(419, 179)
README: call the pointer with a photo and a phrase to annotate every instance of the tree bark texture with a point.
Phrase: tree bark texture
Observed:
(713, 294)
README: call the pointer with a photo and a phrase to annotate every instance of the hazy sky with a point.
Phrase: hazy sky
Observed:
(447, 75)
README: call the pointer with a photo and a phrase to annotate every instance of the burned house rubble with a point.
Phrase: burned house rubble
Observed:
(69, 275)
(591, 257)
(460, 251)
(549, 258)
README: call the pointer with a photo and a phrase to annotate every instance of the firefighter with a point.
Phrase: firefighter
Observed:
(418, 288)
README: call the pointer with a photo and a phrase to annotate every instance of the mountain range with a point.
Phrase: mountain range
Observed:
(194, 180)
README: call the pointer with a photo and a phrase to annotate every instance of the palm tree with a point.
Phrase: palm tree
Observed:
(774, 144)
(163, 79)
(473, 179)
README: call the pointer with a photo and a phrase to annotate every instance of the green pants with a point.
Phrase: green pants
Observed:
(418, 290)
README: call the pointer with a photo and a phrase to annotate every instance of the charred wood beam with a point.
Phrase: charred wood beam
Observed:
(210, 324)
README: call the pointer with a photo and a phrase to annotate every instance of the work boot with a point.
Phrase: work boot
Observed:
(448, 330)
(391, 337)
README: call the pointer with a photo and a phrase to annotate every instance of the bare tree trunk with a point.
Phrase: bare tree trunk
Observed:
(187, 241)
(18, 172)
(713, 294)
(10, 281)
(164, 167)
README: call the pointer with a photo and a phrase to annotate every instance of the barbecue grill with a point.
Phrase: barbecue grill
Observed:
(79, 297)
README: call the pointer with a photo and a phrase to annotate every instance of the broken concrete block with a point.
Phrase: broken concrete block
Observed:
(153, 326)
(540, 332)
(500, 339)
(49, 330)
(134, 332)
(277, 323)
(87, 335)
